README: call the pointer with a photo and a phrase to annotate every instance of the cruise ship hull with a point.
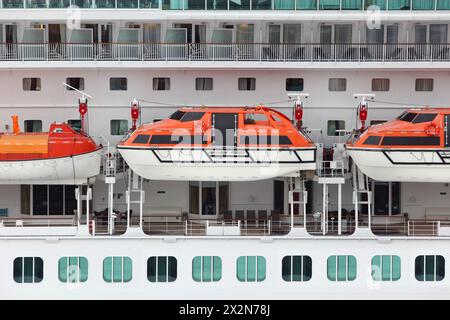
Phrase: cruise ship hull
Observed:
(217, 165)
(66, 170)
(403, 165)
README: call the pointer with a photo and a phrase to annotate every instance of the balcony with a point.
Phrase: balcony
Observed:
(258, 52)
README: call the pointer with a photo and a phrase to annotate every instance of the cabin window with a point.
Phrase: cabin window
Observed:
(424, 117)
(407, 116)
(294, 84)
(424, 84)
(48, 199)
(247, 84)
(386, 198)
(375, 122)
(430, 268)
(119, 127)
(204, 84)
(341, 268)
(192, 116)
(335, 128)
(296, 268)
(251, 268)
(32, 125)
(118, 84)
(75, 124)
(372, 140)
(380, 84)
(73, 269)
(161, 84)
(337, 84)
(142, 138)
(386, 268)
(162, 269)
(31, 84)
(117, 269)
(207, 269)
(77, 83)
(411, 141)
(28, 269)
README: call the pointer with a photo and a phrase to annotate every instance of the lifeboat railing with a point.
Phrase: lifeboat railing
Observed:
(287, 52)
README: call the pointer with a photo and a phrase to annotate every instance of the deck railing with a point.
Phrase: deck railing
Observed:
(263, 52)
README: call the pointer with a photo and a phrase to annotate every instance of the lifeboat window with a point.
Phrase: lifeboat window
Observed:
(373, 140)
(192, 116)
(75, 124)
(177, 115)
(424, 117)
(142, 138)
(411, 141)
(32, 125)
(375, 122)
(177, 139)
(265, 140)
(252, 118)
(407, 116)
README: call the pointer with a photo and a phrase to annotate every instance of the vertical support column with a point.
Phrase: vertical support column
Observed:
(305, 200)
(128, 198)
(291, 200)
(141, 203)
(339, 209)
(324, 205)
(79, 208)
(88, 199)
(110, 208)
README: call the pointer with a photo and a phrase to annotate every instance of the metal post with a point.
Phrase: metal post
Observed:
(141, 204)
(88, 197)
(128, 198)
(291, 199)
(324, 208)
(305, 198)
(110, 207)
(339, 209)
(79, 208)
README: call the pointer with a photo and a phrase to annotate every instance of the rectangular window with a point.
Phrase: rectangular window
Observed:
(75, 124)
(28, 269)
(424, 84)
(31, 84)
(375, 122)
(161, 84)
(372, 140)
(73, 269)
(337, 84)
(32, 125)
(294, 84)
(206, 268)
(119, 127)
(341, 268)
(251, 268)
(411, 141)
(118, 84)
(380, 84)
(430, 268)
(386, 268)
(162, 269)
(334, 127)
(77, 83)
(203, 84)
(142, 138)
(247, 84)
(51, 199)
(117, 269)
(296, 268)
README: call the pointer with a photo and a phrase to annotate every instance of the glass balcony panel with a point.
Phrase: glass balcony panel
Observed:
(10, 4)
(261, 4)
(149, 4)
(399, 5)
(306, 5)
(217, 4)
(351, 4)
(329, 5)
(59, 4)
(379, 3)
(83, 3)
(195, 4)
(239, 4)
(284, 4)
(443, 5)
(174, 4)
(36, 4)
(423, 4)
(105, 3)
(127, 4)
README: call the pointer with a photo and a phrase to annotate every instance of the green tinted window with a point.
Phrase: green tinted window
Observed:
(117, 269)
(386, 268)
(206, 269)
(341, 268)
(251, 268)
(73, 269)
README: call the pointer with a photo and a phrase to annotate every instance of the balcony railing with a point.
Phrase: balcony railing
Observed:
(225, 52)
(214, 5)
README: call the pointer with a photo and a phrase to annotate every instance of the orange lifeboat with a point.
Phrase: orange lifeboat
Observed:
(219, 144)
(414, 147)
(60, 156)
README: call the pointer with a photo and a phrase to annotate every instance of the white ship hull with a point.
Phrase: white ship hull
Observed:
(67, 170)
(403, 165)
(217, 165)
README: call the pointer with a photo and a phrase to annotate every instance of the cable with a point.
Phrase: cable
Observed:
(410, 104)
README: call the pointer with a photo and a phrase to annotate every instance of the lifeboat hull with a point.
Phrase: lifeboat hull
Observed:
(403, 165)
(65, 170)
(217, 165)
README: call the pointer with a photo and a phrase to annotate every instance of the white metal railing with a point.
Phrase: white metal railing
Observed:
(331, 169)
(354, 52)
